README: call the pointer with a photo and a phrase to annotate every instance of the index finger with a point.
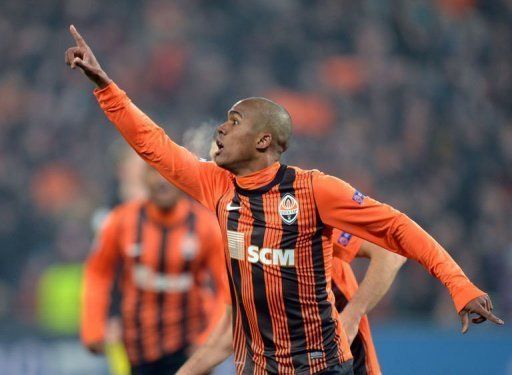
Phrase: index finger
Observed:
(80, 42)
(489, 316)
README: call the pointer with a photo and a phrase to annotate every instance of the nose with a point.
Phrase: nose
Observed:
(221, 129)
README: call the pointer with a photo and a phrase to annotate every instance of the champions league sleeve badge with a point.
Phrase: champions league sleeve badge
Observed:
(358, 197)
(344, 238)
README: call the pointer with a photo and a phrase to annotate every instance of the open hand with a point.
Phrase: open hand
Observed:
(482, 306)
(81, 55)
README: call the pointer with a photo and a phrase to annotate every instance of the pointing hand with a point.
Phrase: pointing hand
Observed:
(82, 56)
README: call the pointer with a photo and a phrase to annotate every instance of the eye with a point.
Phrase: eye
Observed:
(236, 122)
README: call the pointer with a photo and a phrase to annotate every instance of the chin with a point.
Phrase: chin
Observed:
(166, 204)
(218, 160)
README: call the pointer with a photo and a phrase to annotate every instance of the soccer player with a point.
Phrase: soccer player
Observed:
(353, 301)
(276, 222)
(171, 252)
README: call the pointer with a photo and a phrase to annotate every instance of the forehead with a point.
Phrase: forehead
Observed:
(243, 107)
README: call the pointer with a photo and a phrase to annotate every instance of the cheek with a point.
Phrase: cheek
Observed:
(240, 151)
(243, 143)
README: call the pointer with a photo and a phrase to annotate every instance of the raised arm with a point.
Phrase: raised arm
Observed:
(341, 206)
(98, 279)
(203, 181)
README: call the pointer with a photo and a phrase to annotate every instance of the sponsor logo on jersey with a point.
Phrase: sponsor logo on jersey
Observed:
(236, 245)
(271, 257)
(358, 197)
(190, 246)
(147, 279)
(344, 238)
(134, 250)
(289, 209)
(255, 254)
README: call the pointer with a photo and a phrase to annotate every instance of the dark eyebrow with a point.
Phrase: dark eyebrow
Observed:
(233, 112)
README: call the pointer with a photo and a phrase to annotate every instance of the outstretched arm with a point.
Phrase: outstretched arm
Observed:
(214, 351)
(381, 273)
(341, 206)
(203, 181)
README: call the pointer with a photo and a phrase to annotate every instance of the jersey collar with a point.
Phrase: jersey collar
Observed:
(261, 181)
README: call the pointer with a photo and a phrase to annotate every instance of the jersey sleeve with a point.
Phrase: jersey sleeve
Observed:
(98, 280)
(342, 206)
(204, 181)
(345, 245)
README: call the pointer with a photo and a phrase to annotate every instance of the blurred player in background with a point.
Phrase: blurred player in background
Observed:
(172, 270)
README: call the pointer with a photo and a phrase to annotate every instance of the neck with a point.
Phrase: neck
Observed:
(253, 166)
(163, 209)
(259, 178)
(167, 215)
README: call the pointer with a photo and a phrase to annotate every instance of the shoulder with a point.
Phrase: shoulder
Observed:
(129, 207)
(325, 187)
(303, 174)
(326, 183)
(312, 173)
(300, 171)
(320, 179)
(123, 212)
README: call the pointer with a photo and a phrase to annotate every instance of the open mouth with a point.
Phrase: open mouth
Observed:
(220, 147)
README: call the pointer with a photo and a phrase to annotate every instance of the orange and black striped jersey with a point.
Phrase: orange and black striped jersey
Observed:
(277, 226)
(284, 317)
(344, 286)
(172, 277)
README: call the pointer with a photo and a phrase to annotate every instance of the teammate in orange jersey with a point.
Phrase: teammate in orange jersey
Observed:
(171, 253)
(276, 222)
(353, 301)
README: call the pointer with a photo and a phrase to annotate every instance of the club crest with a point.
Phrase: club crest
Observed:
(289, 209)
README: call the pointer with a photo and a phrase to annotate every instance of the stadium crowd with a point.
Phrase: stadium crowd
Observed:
(410, 101)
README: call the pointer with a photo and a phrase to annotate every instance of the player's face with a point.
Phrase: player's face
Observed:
(161, 192)
(236, 138)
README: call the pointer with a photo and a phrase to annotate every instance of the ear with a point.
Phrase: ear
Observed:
(264, 141)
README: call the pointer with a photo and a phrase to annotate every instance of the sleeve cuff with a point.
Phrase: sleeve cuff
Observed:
(466, 294)
(110, 96)
(89, 338)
